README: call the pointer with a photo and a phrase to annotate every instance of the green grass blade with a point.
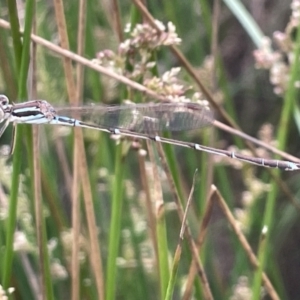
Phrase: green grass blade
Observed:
(22, 63)
(115, 224)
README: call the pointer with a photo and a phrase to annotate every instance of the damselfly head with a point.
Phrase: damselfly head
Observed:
(3, 100)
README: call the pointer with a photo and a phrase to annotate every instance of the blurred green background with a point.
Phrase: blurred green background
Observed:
(129, 250)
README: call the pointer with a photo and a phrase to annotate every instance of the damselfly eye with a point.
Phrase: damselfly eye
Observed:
(3, 100)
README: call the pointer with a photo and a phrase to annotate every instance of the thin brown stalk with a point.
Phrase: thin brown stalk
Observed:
(157, 186)
(90, 216)
(75, 269)
(38, 203)
(80, 48)
(149, 208)
(117, 19)
(64, 41)
(206, 218)
(214, 51)
(61, 24)
(253, 259)
(111, 9)
(188, 204)
(75, 187)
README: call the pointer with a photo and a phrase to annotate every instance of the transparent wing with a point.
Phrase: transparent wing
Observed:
(143, 117)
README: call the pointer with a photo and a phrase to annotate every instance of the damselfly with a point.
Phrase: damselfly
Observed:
(141, 121)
